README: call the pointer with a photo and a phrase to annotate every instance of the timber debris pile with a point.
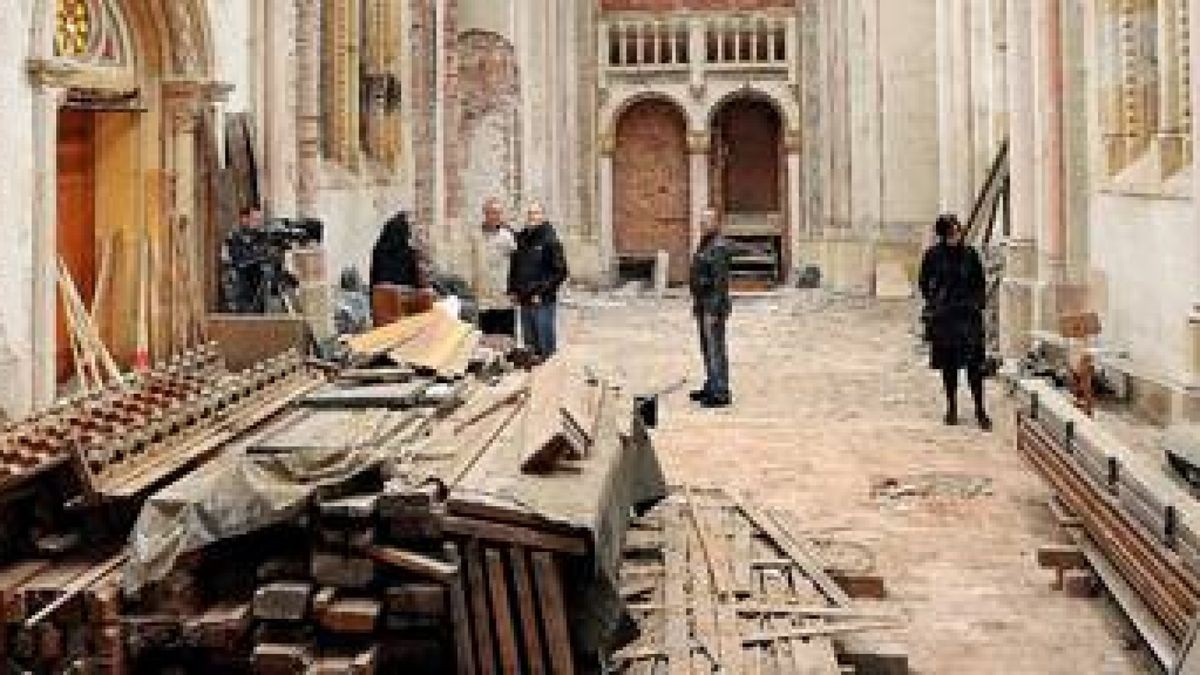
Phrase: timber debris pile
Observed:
(422, 507)
(1121, 516)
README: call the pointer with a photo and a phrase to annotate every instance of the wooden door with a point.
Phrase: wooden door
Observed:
(76, 189)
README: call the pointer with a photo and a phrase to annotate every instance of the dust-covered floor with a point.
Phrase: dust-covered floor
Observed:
(838, 421)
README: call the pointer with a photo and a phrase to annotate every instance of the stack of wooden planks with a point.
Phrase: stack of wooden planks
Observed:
(440, 555)
(393, 579)
(430, 341)
(718, 584)
(1138, 530)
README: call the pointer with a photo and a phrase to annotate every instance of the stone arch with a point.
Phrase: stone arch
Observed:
(788, 111)
(748, 176)
(613, 112)
(651, 187)
(489, 123)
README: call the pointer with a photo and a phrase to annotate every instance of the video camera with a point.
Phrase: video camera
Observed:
(253, 278)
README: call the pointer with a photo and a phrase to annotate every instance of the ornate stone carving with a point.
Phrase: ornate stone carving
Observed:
(182, 26)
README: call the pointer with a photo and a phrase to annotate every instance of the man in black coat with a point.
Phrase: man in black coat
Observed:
(711, 304)
(538, 270)
(955, 291)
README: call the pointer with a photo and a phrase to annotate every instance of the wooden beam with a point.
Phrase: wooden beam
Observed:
(480, 617)
(460, 616)
(809, 564)
(526, 606)
(416, 563)
(502, 616)
(554, 613)
(513, 534)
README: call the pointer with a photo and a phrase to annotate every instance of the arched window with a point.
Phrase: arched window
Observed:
(90, 31)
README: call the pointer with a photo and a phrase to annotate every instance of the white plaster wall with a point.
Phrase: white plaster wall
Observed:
(16, 203)
(353, 215)
(491, 16)
(908, 58)
(1149, 253)
(232, 23)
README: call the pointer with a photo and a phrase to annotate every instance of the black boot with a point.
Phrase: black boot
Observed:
(950, 387)
(975, 376)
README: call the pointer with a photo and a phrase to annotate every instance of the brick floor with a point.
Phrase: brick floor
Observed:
(833, 397)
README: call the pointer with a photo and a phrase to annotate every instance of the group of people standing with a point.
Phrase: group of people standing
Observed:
(517, 277)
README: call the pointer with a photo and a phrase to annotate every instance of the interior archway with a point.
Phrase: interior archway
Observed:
(128, 218)
(650, 185)
(747, 184)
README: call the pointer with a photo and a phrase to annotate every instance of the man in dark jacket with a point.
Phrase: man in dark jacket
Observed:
(537, 271)
(711, 305)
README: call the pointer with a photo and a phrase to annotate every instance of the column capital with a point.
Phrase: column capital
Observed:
(699, 142)
(793, 141)
(607, 143)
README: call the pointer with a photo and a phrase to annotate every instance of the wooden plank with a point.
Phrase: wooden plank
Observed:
(513, 534)
(416, 563)
(674, 594)
(816, 630)
(530, 633)
(460, 616)
(813, 656)
(742, 553)
(480, 617)
(795, 550)
(554, 613)
(502, 615)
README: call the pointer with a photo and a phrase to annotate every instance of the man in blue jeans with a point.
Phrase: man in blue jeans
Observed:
(711, 305)
(538, 269)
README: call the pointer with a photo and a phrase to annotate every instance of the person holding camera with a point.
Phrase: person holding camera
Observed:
(955, 291)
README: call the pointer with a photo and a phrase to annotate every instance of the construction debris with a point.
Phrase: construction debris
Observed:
(717, 584)
(1138, 530)
(431, 341)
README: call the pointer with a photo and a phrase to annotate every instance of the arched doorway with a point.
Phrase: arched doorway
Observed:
(650, 186)
(123, 93)
(747, 184)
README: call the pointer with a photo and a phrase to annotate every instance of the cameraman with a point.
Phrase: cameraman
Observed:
(241, 258)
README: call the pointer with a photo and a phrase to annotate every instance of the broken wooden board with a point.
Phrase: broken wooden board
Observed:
(726, 594)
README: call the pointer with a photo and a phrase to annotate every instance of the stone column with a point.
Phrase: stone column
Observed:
(699, 143)
(607, 257)
(794, 202)
(1016, 305)
(1048, 76)
(954, 104)
(43, 389)
(308, 105)
(1194, 54)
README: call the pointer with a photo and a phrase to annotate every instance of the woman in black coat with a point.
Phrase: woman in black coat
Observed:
(955, 291)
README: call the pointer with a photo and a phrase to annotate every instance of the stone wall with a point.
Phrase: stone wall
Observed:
(16, 200)
(489, 138)
(672, 5)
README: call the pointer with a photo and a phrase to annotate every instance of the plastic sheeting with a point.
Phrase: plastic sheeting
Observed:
(242, 492)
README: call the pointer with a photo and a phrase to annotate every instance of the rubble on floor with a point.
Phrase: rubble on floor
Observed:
(717, 584)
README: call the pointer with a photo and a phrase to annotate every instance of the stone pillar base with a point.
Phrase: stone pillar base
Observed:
(1016, 318)
(1194, 333)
